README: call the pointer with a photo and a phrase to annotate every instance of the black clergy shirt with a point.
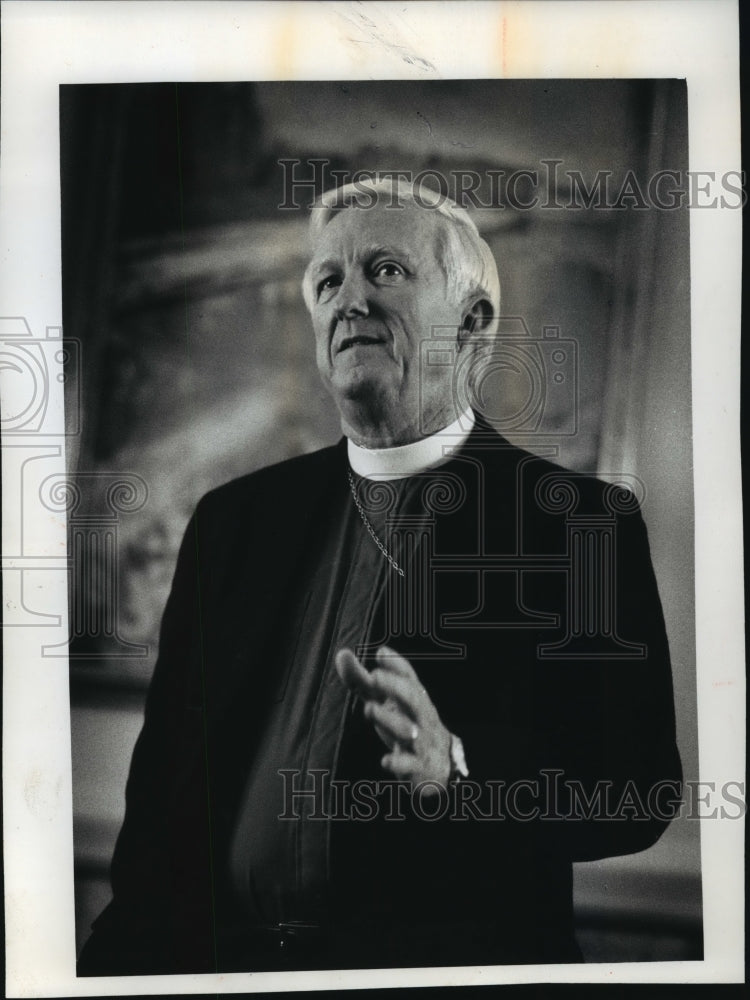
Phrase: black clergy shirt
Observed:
(281, 859)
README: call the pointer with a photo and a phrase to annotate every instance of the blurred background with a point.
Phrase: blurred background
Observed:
(181, 284)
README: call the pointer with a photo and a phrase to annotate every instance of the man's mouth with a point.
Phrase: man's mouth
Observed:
(360, 340)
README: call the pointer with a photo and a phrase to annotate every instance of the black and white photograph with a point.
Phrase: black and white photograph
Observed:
(405, 680)
(375, 424)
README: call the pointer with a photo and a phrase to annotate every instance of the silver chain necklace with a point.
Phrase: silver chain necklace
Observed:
(369, 527)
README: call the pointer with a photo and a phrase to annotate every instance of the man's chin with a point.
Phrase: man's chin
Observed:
(358, 383)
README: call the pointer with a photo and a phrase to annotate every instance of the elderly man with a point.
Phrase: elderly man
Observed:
(403, 682)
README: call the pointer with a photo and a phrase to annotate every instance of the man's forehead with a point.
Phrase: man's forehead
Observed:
(409, 230)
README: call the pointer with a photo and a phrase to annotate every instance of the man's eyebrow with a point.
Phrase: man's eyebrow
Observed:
(374, 250)
(327, 264)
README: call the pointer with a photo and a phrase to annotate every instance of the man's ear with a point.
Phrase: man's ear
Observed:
(476, 319)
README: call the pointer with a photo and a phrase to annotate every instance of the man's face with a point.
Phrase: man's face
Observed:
(378, 290)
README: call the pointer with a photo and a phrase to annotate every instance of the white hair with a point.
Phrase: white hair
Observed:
(465, 258)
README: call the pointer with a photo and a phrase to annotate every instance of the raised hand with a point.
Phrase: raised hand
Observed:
(404, 717)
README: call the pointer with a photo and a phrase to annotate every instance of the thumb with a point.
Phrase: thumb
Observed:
(352, 673)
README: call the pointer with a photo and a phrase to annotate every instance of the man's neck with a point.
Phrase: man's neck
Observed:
(410, 459)
(375, 423)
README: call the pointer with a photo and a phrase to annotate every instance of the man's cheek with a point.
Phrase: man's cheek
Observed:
(322, 349)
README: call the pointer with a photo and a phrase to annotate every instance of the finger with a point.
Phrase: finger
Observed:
(386, 738)
(353, 674)
(395, 724)
(389, 659)
(393, 661)
(399, 763)
(407, 692)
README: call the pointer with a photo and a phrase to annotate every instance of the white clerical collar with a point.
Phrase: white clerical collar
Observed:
(410, 459)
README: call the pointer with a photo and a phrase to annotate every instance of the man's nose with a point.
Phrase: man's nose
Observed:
(351, 300)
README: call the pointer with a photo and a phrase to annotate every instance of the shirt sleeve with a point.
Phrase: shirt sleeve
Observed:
(582, 751)
(159, 919)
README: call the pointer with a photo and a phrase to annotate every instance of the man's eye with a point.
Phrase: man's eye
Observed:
(326, 284)
(389, 269)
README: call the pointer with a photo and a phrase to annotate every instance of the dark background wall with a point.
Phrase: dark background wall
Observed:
(181, 280)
